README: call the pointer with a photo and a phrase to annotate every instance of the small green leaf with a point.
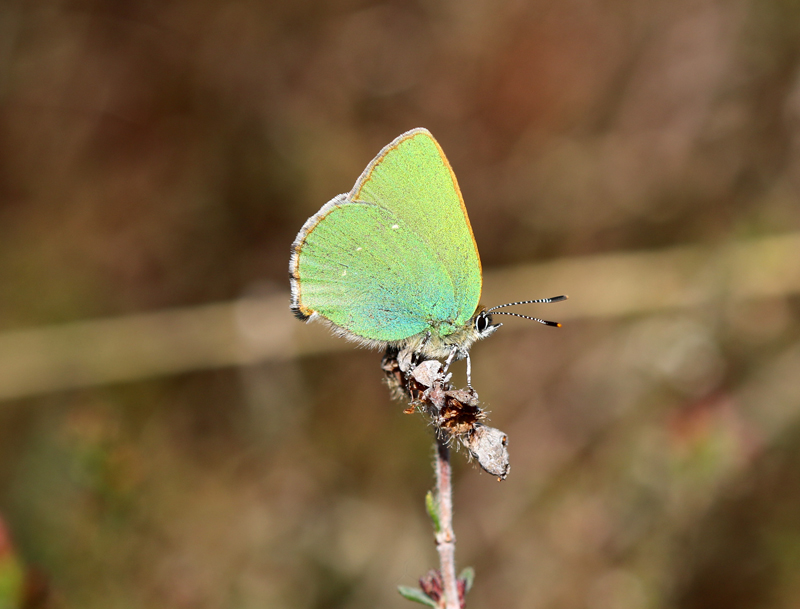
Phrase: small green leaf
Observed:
(468, 575)
(416, 595)
(432, 506)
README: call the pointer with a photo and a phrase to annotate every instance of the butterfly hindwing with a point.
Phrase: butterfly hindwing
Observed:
(365, 270)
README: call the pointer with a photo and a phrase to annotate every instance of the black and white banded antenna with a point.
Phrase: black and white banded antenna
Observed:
(555, 324)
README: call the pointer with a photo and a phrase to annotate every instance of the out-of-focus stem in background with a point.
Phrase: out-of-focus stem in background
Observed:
(95, 352)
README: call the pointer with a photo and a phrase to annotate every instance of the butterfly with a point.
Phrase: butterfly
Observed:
(394, 263)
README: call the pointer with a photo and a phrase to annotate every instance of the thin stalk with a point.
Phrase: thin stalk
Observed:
(445, 537)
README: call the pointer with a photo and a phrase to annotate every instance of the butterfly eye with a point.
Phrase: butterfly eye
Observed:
(482, 321)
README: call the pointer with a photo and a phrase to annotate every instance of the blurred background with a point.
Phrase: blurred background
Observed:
(171, 437)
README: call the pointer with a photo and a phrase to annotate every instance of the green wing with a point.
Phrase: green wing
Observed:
(412, 178)
(396, 256)
(363, 268)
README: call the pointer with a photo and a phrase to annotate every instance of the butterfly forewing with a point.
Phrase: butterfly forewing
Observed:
(412, 178)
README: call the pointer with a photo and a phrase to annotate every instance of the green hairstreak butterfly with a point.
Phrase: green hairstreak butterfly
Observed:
(394, 261)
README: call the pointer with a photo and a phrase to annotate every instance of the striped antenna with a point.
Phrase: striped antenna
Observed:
(555, 324)
(521, 302)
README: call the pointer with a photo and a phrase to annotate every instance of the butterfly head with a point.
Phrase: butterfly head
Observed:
(482, 325)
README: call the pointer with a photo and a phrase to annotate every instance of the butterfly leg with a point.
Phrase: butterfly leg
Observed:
(450, 358)
(424, 341)
(416, 357)
(448, 361)
(469, 370)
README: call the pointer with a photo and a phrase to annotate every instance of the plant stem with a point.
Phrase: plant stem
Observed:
(445, 537)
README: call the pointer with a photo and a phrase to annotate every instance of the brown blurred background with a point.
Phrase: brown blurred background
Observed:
(158, 158)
